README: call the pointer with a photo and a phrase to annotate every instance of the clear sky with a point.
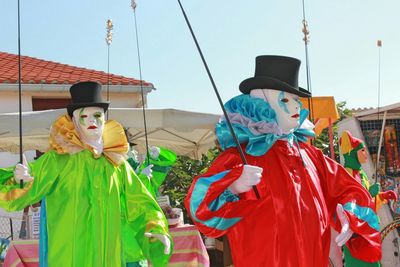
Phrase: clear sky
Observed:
(343, 50)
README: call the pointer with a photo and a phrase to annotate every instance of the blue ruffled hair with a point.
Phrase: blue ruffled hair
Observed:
(254, 122)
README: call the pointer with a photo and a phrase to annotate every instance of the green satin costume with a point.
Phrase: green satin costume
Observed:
(161, 166)
(91, 202)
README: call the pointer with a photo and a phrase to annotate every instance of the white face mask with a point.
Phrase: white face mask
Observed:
(286, 106)
(89, 123)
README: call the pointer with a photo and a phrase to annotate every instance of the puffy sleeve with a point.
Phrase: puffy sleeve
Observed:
(143, 215)
(161, 167)
(44, 171)
(211, 205)
(341, 187)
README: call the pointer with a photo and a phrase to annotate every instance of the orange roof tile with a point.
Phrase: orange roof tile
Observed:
(39, 70)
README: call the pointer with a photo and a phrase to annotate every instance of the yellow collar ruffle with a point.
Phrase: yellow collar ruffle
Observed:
(65, 139)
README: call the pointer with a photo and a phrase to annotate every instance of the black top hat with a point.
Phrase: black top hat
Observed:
(86, 94)
(275, 72)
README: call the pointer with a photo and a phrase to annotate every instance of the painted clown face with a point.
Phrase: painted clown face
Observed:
(89, 122)
(362, 155)
(286, 106)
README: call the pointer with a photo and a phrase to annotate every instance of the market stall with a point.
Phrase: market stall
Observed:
(185, 132)
(379, 128)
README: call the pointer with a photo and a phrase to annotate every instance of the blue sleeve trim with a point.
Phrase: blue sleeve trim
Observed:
(200, 189)
(226, 196)
(363, 213)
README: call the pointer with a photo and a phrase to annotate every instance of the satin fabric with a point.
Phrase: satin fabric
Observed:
(65, 139)
(96, 208)
(89, 202)
(255, 125)
(353, 262)
(290, 224)
(349, 147)
(161, 167)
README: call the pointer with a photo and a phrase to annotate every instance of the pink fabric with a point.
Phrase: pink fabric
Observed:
(22, 253)
(189, 249)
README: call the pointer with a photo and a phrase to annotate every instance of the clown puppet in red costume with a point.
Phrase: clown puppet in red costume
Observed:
(302, 192)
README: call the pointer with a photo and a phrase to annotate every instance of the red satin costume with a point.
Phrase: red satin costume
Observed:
(289, 226)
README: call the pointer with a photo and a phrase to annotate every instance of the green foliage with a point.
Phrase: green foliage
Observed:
(181, 175)
(322, 141)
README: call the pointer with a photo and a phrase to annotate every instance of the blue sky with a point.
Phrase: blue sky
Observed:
(343, 51)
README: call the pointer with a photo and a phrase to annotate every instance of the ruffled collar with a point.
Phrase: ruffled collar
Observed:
(65, 140)
(255, 125)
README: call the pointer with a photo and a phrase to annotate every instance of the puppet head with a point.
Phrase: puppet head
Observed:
(286, 106)
(87, 111)
(353, 150)
(269, 108)
(89, 122)
(276, 82)
(86, 94)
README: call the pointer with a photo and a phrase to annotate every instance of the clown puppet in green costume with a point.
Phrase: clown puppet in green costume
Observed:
(153, 170)
(355, 153)
(91, 197)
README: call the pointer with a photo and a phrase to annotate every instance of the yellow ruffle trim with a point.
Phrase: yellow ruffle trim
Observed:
(65, 139)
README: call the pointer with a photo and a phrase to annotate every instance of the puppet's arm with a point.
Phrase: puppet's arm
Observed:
(145, 218)
(211, 204)
(38, 180)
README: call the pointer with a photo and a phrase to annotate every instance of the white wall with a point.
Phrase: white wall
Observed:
(124, 100)
(9, 100)
(9, 103)
(9, 159)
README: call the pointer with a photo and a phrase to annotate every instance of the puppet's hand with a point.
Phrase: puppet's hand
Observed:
(148, 171)
(374, 189)
(21, 171)
(346, 232)
(251, 175)
(154, 152)
(388, 195)
(163, 239)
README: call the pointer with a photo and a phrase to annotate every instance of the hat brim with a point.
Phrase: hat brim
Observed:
(263, 82)
(72, 107)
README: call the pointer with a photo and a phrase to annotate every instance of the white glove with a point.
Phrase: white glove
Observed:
(163, 239)
(133, 154)
(148, 171)
(21, 171)
(346, 232)
(154, 152)
(251, 175)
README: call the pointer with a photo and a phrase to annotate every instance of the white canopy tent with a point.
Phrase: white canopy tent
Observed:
(187, 133)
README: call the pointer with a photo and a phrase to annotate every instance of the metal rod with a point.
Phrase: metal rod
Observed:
(379, 146)
(21, 182)
(308, 71)
(141, 88)
(109, 28)
(379, 44)
(240, 150)
(306, 40)
(11, 229)
(332, 150)
(108, 76)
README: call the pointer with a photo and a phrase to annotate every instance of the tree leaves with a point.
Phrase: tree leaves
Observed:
(181, 175)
